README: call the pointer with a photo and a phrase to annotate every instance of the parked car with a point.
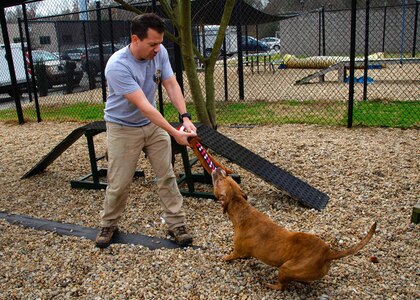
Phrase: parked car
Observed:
(73, 54)
(251, 44)
(93, 58)
(272, 42)
(56, 68)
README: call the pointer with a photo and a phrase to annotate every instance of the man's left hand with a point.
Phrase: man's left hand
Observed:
(189, 126)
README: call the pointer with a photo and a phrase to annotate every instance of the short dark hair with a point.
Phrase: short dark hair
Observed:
(141, 23)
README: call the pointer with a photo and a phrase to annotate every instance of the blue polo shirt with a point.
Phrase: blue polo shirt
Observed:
(125, 74)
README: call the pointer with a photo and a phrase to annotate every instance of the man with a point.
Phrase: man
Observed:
(134, 125)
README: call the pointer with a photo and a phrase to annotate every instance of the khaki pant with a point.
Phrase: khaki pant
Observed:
(124, 146)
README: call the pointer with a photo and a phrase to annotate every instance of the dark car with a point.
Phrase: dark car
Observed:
(251, 44)
(92, 59)
(73, 54)
(56, 68)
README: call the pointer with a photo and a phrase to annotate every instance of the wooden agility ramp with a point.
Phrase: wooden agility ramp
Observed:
(220, 144)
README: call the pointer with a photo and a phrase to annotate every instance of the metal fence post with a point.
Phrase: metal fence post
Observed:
(366, 62)
(31, 65)
(24, 55)
(384, 29)
(13, 80)
(91, 76)
(240, 57)
(416, 17)
(111, 29)
(352, 64)
(225, 77)
(323, 52)
(160, 93)
(319, 32)
(101, 49)
(178, 64)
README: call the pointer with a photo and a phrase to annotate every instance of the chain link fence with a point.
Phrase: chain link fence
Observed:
(295, 69)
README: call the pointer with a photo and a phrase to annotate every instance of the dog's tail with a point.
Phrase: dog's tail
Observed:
(339, 254)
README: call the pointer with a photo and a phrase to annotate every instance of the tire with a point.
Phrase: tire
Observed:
(95, 70)
(207, 52)
(10, 93)
(276, 47)
(77, 80)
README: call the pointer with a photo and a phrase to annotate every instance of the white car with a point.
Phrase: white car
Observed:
(272, 42)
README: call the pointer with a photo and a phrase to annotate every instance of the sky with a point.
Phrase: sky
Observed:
(52, 7)
(48, 7)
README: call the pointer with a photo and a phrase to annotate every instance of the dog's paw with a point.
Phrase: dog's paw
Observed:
(230, 257)
(276, 287)
(226, 258)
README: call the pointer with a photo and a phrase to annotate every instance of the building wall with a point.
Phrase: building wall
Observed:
(43, 35)
(300, 35)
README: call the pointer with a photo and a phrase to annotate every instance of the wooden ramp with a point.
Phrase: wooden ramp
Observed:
(63, 146)
(293, 186)
(222, 145)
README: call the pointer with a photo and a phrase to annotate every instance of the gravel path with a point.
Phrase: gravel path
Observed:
(369, 173)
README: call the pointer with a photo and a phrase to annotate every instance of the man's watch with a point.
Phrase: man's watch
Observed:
(185, 115)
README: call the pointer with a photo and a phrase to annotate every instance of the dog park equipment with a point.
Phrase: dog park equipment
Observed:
(149, 242)
(283, 180)
(89, 130)
(291, 185)
(328, 64)
(340, 63)
(321, 62)
(343, 66)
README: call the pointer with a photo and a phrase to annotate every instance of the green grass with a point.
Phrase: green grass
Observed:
(81, 111)
(76, 112)
(367, 113)
(387, 114)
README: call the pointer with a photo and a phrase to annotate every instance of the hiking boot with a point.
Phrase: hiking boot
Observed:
(104, 237)
(181, 235)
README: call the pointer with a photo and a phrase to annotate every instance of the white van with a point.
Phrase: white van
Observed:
(55, 68)
(210, 34)
(19, 64)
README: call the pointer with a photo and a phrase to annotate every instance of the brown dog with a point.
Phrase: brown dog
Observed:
(299, 256)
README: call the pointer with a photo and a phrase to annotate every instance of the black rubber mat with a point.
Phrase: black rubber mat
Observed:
(293, 186)
(89, 233)
(63, 146)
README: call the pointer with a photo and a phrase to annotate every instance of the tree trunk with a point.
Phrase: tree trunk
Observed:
(210, 63)
(210, 96)
(189, 63)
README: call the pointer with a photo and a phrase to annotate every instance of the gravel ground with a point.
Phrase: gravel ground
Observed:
(369, 173)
